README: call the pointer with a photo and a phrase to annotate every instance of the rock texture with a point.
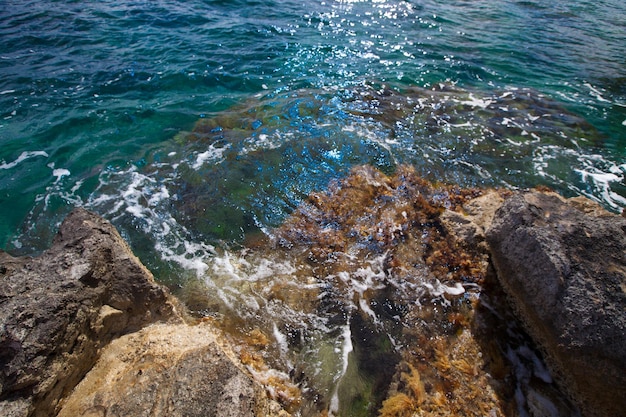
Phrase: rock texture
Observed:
(85, 303)
(169, 370)
(59, 309)
(85, 330)
(563, 265)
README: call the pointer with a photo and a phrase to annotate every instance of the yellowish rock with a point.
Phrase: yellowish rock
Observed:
(169, 370)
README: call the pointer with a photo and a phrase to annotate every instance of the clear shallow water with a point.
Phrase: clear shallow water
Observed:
(196, 125)
(91, 89)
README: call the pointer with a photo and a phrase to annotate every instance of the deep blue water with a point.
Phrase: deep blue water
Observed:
(95, 98)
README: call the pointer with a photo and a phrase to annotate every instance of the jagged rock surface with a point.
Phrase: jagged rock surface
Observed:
(78, 314)
(58, 309)
(563, 265)
(169, 370)
(82, 308)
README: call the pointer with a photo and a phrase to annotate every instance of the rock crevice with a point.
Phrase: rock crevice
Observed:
(563, 266)
(85, 329)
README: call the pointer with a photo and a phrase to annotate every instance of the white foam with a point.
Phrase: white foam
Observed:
(457, 289)
(370, 135)
(264, 142)
(144, 198)
(364, 305)
(596, 93)
(212, 154)
(280, 338)
(346, 349)
(602, 179)
(60, 173)
(23, 156)
(466, 124)
(437, 289)
(161, 195)
(369, 55)
(192, 257)
(476, 102)
(77, 186)
(223, 266)
(269, 269)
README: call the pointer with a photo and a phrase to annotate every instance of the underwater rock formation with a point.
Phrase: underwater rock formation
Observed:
(374, 297)
(377, 294)
(419, 351)
(253, 152)
(563, 265)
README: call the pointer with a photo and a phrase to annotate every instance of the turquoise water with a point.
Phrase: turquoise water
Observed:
(90, 91)
(197, 126)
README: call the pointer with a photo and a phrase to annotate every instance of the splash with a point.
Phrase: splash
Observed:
(242, 171)
(512, 138)
(359, 294)
(23, 156)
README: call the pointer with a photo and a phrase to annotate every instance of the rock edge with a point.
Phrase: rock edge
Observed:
(563, 265)
(89, 296)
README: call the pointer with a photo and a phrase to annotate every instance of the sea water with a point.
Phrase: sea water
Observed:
(198, 127)
(91, 90)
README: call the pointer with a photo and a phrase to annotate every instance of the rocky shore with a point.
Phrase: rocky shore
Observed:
(563, 265)
(85, 329)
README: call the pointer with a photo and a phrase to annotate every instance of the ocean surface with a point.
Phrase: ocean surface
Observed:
(94, 94)
(194, 125)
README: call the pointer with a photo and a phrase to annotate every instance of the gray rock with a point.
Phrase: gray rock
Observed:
(563, 266)
(58, 309)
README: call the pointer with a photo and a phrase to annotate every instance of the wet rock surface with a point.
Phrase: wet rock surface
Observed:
(563, 266)
(85, 330)
(60, 310)
(421, 301)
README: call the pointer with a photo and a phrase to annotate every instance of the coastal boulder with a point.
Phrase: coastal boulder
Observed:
(563, 266)
(58, 309)
(170, 370)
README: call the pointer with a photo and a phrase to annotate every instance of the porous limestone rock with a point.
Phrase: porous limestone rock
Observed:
(58, 309)
(563, 265)
(169, 370)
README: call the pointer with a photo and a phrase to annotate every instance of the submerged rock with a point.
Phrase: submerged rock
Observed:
(382, 302)
(377, 294)
(563, 265)
(413, 316)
